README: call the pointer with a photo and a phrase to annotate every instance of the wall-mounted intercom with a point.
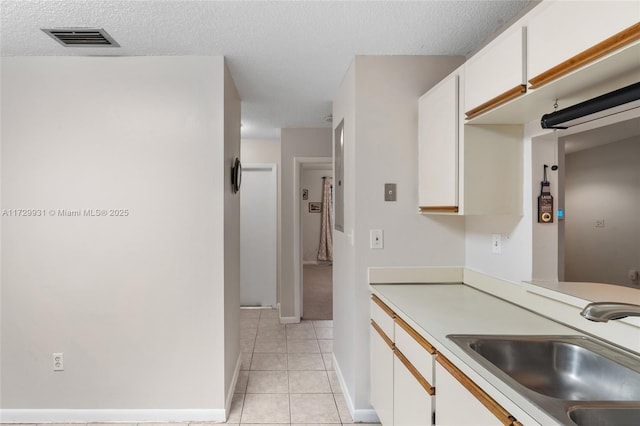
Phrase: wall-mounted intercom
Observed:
(545, 200)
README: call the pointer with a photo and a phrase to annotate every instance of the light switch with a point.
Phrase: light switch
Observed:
(390, 192)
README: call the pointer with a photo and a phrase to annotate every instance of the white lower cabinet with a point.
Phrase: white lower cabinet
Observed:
(404, 369)
(412, 404)
(381, 378)
(461, 402)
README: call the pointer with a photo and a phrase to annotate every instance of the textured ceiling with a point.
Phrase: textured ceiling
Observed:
(287, 58)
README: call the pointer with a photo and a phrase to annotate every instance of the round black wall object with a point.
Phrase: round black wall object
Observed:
(236, 175)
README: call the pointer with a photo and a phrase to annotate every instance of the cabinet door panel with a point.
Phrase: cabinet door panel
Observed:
(563, 29)
(438, 145)
(413, 406)
(381, 378)
(456, 406)
(494, 71)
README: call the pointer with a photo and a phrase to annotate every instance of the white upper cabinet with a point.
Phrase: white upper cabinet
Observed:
(561, 30)
(438, 134)
(497, 73)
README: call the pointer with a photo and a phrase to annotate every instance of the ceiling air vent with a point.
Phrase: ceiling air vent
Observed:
(81, 37)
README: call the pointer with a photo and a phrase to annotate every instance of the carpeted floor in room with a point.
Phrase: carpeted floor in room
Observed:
(317, 293)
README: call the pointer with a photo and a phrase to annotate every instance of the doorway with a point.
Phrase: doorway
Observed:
(317, 265)
(258, 236)
(323, 279)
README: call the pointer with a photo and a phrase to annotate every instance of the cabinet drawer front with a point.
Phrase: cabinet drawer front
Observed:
(383, 316)
(415, 348)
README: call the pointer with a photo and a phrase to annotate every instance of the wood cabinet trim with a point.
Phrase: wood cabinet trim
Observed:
(414, 372)
(624, 37)
(383, 306)
(382, 334)
(439, 209)
(501, 414)
(498, 100)
(415, 335)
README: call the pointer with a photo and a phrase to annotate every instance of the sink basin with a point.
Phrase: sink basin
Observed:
(605, 416)
(563, 375)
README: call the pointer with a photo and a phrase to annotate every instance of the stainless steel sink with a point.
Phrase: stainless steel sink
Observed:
(605, 416)
(563, 375)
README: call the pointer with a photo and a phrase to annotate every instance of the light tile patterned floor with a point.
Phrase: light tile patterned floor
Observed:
(286, 376)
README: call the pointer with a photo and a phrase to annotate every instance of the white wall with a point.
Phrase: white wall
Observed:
(232, 116)
(311, 222)
(378, 100)
(310, 142)
(603, 183)
(136, 303)
(261, 151)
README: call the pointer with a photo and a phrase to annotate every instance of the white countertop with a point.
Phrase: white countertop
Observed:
(436, 310)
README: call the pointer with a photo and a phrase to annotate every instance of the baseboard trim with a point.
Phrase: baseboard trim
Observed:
(111, 416)
(358, 415)
(289, 320)
(232, 389)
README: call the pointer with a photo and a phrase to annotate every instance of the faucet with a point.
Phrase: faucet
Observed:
(605, 311)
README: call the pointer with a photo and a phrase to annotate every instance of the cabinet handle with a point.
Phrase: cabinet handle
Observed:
(423, 382)
(498, 100)
(614, 42)
(383, 306)
(438, 209)
(501, 414)
(417, 337)
(382, 334)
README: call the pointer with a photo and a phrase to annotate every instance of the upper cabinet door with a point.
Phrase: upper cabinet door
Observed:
(438, 147)
(561, 30)
(496, 74)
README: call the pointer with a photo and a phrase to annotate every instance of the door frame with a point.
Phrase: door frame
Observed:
(299, 163)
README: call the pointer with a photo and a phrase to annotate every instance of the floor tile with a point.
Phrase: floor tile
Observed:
(326, 345)
(245, 360)
(324, 333)
(266, 408)
(236, 408)
(268, 382)
(322, 323)
(271, 332)
(343, 409)
(314, 408)
(270, 314)
(334, 382)
(249, 314)
(246, 345)
(302, 346)
(327, 357)
(309, 382)
(269, 361)
(241, 384)
(300, 331)
(302, 361)
(278, 345)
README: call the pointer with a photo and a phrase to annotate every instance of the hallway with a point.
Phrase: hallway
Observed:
(286, 375)
(317, 294)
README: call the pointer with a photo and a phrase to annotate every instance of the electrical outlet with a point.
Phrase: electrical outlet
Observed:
(633, 274)
(376, 239)
(58, 361)
(496, 244)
